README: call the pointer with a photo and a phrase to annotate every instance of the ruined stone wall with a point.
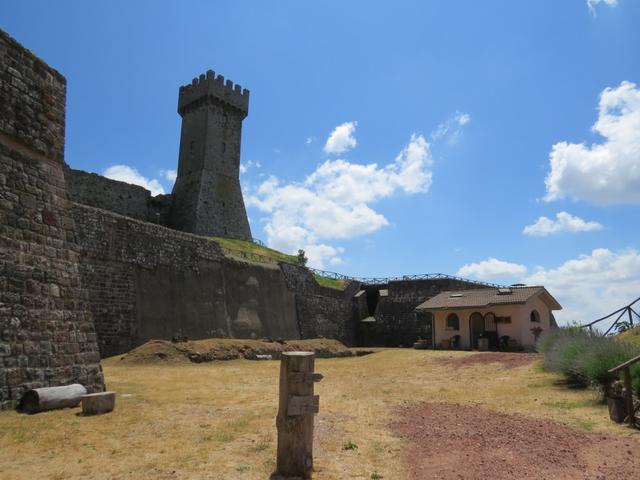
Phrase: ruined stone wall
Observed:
(130, 200)
(146, 281)
(46, 332)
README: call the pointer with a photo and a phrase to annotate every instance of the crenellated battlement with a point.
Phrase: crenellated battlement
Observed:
(211, 86)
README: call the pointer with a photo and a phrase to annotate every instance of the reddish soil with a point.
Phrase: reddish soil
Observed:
(449, 441)
(507, 360)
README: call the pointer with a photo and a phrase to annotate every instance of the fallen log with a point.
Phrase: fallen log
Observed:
(51, 398)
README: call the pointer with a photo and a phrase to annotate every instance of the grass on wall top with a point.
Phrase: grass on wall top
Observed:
(245, 250)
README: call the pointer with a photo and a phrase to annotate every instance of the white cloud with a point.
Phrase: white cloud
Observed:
(564, 222)
(125, 173)
(451, 129)
(170, 175)
(334, 202)
(321, 255)
(492, 268)
(342, 138)
(592, 3)
(309, 140)
(245, 167)
(593, 285)
(608, 172)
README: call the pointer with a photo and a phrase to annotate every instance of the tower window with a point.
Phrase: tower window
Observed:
(224, 147)
(192, 146)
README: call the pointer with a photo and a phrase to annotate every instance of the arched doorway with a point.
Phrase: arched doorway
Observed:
(476, 328)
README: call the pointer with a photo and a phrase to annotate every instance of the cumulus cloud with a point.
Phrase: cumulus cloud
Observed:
(245, 167)
(125, 173)
(334, 202)
(323, 256)
(341, 139)
(592, 285)
(564, 222)
(607, 172)
(492, 268)
(169, 175)
(451, 129)
(592, 3)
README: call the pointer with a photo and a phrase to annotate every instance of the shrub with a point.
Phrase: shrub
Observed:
(585, 358)
(349, 445)
(603, 355)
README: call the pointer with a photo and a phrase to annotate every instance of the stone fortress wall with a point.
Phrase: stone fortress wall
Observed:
(47, 335)
(93, 267)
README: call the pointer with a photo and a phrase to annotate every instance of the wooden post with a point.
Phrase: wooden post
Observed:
(297, 406)
(629, 396)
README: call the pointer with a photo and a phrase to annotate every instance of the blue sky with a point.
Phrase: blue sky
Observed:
(385, 138)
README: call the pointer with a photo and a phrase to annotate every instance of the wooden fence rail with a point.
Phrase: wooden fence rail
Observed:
(628, 393)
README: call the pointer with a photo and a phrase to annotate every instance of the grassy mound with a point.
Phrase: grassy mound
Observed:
(216, 349)
(630, 336)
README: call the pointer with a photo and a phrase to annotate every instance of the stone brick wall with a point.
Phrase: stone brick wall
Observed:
(32, 100)
(322, 311)
(46, 331)
(130, 200)
(146, 281)
(396, 322)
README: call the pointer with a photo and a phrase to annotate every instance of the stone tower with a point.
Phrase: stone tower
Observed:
(207, 199)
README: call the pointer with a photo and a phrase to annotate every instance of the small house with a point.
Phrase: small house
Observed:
(512, 316)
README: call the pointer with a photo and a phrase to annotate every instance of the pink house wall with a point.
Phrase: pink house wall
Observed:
(519, 328)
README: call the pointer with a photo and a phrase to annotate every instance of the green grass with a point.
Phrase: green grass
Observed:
(245, 250)
(329, 282)
(236, 248)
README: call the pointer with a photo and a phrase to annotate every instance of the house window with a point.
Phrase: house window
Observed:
(535, 316)
(453, 322)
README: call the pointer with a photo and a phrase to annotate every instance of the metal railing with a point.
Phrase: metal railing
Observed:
(627, 311)
(382, 280)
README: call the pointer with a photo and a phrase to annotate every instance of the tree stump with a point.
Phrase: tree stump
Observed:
(296, 409)
(97, 403)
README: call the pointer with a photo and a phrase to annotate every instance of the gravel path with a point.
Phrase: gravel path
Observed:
(506, 359)
(449, 441)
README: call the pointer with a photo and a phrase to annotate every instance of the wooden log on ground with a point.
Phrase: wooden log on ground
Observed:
(98, 403)
(296, 409)
(51, 398)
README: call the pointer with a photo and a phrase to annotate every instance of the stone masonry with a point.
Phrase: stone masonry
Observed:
(47, 335)
(207, 199)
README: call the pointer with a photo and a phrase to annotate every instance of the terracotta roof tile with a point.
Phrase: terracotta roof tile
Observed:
(484, 297)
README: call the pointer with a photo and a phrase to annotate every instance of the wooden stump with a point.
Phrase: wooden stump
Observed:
(51, 398)
(296, 409)
(97, 403)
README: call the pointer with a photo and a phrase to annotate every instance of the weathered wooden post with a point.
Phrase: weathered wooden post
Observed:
(628, 392)
(296, 409)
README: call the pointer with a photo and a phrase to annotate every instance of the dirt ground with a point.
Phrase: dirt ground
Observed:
(217, 349)
(506, 359)
(450, 441)
(216, 421)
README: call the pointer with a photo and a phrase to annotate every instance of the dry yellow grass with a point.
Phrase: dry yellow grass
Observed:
(217, 420)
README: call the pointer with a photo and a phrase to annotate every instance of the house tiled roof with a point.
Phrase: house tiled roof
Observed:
(486, 297)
